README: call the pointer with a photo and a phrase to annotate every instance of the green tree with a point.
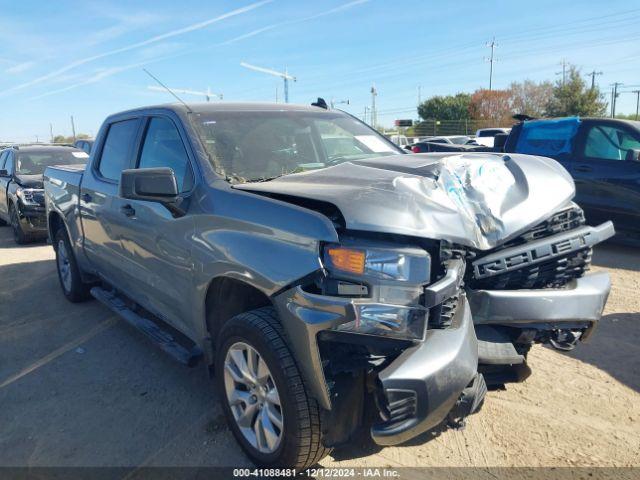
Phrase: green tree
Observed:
(450, 107)
(574, 97)
(69, 139)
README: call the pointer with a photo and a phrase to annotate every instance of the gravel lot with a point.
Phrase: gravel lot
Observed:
(78, 387)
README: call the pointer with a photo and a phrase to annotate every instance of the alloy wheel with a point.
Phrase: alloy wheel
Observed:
(253, 397)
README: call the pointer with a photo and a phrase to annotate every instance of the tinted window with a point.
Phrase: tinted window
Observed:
(609, 143)
(3, 158)
(117, 147)
(164, 148)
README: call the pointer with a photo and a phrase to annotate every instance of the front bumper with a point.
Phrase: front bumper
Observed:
(581, 300)
(429, 379)
(432, 377)
(33, 220)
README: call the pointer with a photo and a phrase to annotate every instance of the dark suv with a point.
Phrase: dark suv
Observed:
(21, 190)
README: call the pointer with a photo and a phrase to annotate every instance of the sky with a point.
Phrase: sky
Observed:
(85, 58)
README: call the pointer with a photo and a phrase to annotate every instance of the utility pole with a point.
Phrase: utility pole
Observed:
(51, 131)
(593, 78)
(419, 94)
(276, 94)
(564, 71)
(73, 128)
(374, 115)
(614, 98)
(364, 117)
(637, 92)
(491, 59)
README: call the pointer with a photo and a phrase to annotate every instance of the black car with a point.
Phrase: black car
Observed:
(603, 157)
(21, 190)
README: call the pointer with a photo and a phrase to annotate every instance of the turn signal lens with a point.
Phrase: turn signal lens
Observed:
(347, 260)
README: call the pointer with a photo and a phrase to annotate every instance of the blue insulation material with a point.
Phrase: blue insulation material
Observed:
(548, 137)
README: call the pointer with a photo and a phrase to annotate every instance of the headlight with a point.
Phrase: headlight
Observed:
(393, 279)
(28, 195)
(401, 265)
(393, 321)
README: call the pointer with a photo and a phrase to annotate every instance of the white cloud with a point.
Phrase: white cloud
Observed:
(20, 67)
(292, 22)
(137, 45)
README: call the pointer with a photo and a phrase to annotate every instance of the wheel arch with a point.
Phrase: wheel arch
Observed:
(227, 297)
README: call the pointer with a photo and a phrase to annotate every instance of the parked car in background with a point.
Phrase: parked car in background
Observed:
(485, 136)
(21, 189)
(85, 145)
(400, 140)
(603, 157)
(450, 139)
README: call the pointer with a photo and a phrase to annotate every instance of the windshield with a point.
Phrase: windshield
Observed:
(34, 163)
(255, 146)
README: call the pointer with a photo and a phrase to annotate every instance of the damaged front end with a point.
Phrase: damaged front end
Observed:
(535, 289)
(384, 329)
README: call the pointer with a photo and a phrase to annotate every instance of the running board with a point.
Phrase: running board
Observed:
(167, 341)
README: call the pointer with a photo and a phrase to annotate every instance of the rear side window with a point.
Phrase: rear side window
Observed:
(548, 137)
(117, 149)
(3, 158)
(163, 147)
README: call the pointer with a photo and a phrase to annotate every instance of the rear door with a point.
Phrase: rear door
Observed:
(9, 165)
(99, 201)
(156, 245)
(607, 180)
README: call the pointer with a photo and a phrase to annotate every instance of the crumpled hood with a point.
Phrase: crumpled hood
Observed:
(475, 199)
(30, 181)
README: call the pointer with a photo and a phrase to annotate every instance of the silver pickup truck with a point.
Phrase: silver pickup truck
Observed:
(330, 281)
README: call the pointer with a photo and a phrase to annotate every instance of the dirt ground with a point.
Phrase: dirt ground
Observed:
(78, 387)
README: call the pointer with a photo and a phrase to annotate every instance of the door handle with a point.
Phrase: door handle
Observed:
(583, 168)
(128, 210)
(86, 198)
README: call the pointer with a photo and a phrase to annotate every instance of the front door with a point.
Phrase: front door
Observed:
(159, 265)
(607, 179)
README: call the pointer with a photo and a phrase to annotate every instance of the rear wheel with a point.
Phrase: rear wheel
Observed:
(263, 397)
(18, 234)
(68, 272)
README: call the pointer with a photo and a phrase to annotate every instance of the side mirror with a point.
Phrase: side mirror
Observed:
(152, 185)
(4, 173)
(633, 155)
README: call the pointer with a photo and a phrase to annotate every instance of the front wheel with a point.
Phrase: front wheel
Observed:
(68, 272)
(18, 234)
(263, 396)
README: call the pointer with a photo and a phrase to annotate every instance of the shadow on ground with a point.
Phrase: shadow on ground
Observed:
(611, 255)
(615, 348)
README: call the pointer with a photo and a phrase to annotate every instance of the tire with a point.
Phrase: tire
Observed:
(298, 443)
(18, 234)
(68, 272)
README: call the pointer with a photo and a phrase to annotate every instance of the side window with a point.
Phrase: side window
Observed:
(163, 147)
(609, 143)
(3, 158)
(117, 148)
(8, 166)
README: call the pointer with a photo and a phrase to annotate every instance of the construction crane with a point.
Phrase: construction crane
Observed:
(284, 75)
(207, 95)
